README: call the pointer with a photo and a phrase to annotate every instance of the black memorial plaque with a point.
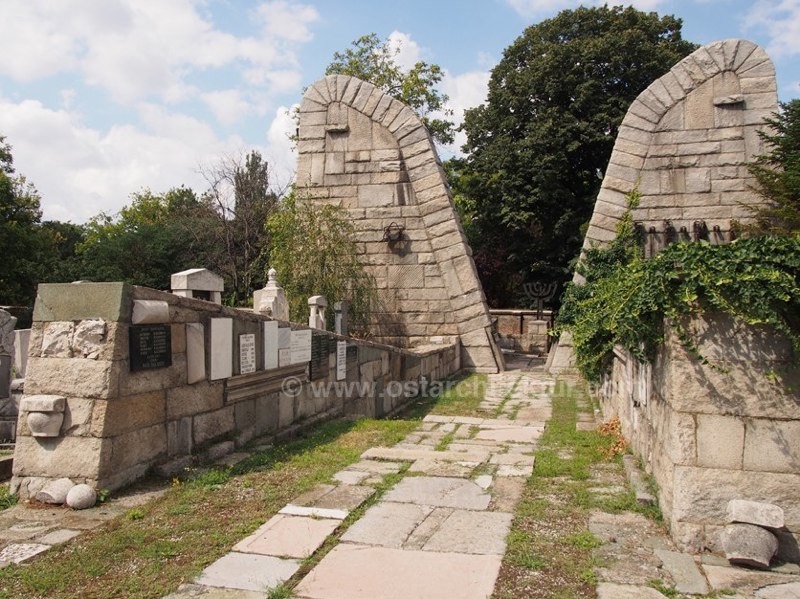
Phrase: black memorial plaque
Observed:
(150, 346)
(320, 348)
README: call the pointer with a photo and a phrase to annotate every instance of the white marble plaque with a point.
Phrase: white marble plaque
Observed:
(221, 348)
(301, 346)
(270, 345)
(247, 353)
(341, 360)
(195, 352)
(284, 357)
(284, 338)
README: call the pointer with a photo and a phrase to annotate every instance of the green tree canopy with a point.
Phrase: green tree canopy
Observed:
(374, 60)
(314, 251)
(539, 146)
(151, 238)
(778, 173)
(21, 243)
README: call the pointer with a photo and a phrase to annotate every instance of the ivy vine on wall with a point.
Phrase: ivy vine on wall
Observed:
(625, 298)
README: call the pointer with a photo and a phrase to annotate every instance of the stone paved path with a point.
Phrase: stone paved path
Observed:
(440, 532)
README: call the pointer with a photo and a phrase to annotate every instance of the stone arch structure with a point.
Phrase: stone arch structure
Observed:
(361, 149)
(686, 140)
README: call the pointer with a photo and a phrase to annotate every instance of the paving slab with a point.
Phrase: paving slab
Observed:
(585, 426)
(512, 459)
(19, 552)
(610, 590)
(527, 434)
(313, 512)
(433, 467)
(410, 455)
(440, 492)
(387, 524)
(188, 591)
(344, 497)
(742, 579)
(59, 536)
(510, 470)
(376, 467)
(288, 536)
(248, 572)
(351, 477)
(684, 571)
(313, 494)
(472, 532)
(779, 591)
(425, 531)
(362, 572)
(484, 481)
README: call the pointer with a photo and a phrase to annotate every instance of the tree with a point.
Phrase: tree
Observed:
(21, 244)
(374, 60)
(314, 252)
(238, 203)
(151, 238)
(538, 148)
(778, 174)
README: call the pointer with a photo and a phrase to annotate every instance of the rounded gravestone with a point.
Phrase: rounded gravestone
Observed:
(81, 497)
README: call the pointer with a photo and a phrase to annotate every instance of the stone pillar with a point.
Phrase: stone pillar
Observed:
(272, 300)
(316, 307)
(342, 313)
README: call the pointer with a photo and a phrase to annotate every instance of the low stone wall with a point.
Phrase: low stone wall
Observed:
(224, 377)
(712, 433)
(522, 330)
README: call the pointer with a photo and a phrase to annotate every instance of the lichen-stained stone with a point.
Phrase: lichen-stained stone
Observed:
(374, 154)
(727, 85)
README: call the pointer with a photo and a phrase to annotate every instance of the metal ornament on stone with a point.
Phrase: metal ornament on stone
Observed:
(393, 232)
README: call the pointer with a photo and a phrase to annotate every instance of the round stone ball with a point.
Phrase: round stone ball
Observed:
(81, 497)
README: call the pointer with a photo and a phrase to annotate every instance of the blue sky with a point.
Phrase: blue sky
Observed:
(102, 98)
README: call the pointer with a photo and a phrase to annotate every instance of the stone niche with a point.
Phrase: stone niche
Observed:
(364, 151)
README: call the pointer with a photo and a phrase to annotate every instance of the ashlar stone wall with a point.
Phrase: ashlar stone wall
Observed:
(686, 140)
(120, 423)
(363, 150)
(709, 433)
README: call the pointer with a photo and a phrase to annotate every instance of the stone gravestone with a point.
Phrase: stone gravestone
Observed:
(7, 323)
(272, 300)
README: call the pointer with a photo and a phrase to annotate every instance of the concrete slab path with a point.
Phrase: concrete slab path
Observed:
(440, 532)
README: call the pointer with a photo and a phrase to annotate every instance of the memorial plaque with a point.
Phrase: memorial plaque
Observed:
(320, 348)
(270, 345)
(247, 353)
(284, 357)
(301, 346)
(150, 346)
(341, 360)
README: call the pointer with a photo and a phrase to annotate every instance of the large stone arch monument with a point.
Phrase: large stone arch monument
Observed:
(361, 149)
(685, 142)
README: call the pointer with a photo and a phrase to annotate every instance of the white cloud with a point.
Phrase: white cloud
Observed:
(464, 91)
(228, 105)
(137, 49)
(287, 20)
(408, 51)
(280, 152)
(81, 171)
(780, 20)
